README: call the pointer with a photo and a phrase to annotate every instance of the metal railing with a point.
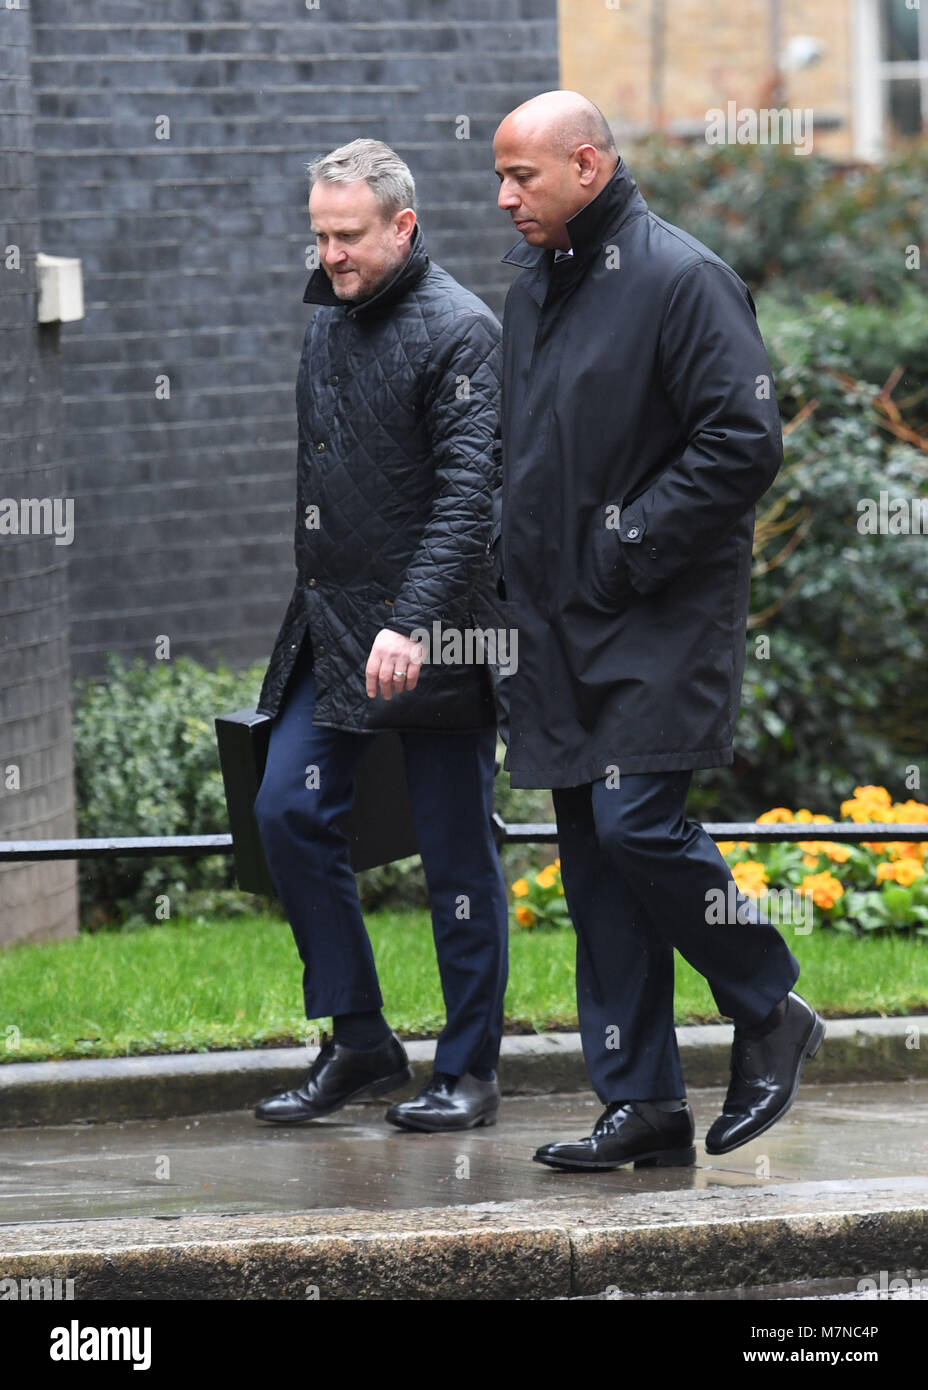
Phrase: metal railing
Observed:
(540, 833)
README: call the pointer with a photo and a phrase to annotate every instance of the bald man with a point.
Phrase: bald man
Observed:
(639, 428)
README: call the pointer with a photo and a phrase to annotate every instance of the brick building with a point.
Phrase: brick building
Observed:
(861, 66)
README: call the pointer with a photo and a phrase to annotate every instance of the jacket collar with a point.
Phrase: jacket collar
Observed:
(604, 214)
(319, 289)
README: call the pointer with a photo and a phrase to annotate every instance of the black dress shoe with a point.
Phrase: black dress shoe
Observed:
(650, 1134)
(449, 1102)
(340, 1074)
(766, 1065)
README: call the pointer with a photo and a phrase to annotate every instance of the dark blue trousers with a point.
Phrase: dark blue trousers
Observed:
(450, 779)
(637, 878)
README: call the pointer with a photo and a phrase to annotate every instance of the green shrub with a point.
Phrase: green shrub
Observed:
(839, 698)
(146, 763)
(798, 223)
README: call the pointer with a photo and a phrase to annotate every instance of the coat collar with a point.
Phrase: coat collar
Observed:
(319, 289)
(586, 229)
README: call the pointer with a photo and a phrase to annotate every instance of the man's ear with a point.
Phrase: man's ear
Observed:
(403, 224)
(587, 159)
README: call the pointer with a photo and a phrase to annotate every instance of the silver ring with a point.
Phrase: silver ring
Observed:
(399, 675)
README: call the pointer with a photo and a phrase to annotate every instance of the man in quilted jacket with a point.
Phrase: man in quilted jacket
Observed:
(397, 408)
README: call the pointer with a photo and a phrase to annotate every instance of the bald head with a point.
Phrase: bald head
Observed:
(564, 120)
(554, 154)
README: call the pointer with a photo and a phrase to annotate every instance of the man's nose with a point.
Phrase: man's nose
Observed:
(508, 197)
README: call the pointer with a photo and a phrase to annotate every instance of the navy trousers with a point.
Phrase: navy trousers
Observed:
(450, 779)
(637, 878)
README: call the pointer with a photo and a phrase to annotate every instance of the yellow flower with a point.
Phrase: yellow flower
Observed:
(873, 794)
(548, 877)
(836, 852)
(868, 804)
(915, 811)
(750, 877)
(779, 813)
(904, 871)
(525, 916)
(520, 888)
(907, 849)
(824, 887)
(728, 846)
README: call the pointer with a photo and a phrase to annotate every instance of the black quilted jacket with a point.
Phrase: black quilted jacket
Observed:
(397, 405)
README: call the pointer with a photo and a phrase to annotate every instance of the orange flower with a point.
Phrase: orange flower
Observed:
(520, 888)
(750, 877)
(904, 871)
(868, 804)
(779, 813)
(879, 794)
(838, 853)
(525, 916)
(915, 811)
(824, 887)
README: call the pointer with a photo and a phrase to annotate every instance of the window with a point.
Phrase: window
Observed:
(891, 77)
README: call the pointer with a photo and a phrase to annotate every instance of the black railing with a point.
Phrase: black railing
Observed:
(539, 833)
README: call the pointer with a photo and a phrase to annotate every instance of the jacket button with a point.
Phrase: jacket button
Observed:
(320, 448)
(633, 533)
(320, 649)
(293, 646)
(311, 583)
(653, 553)
(333, 380)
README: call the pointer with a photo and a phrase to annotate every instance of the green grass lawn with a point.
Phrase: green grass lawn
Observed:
(236, 983)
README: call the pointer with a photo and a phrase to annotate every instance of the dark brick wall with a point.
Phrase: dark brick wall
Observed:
(36, 785)
(193, 254)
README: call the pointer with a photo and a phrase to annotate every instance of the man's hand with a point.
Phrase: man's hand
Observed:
(393, 664)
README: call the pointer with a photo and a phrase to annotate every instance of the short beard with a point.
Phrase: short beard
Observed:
(370, 291)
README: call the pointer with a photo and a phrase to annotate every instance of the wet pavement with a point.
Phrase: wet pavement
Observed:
(228, 1163)
(221, 1207)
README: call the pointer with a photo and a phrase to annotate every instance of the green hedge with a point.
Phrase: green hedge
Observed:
(797, 222)
(840, 698)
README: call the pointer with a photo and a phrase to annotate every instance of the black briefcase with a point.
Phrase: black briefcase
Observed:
(379, 825)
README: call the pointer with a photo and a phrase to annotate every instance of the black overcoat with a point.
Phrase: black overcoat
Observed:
(397, 407)
(639, 427)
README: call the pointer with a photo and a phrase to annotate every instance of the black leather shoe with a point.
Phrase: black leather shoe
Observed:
(449, 1102)
(339, 1074)
(650, 1134)
(766, 1065)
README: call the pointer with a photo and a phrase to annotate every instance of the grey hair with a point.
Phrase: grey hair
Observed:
(382, 169)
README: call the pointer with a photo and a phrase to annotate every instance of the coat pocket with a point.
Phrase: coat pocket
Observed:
(609, 578)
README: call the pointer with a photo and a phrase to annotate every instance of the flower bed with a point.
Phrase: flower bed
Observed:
(872, 886)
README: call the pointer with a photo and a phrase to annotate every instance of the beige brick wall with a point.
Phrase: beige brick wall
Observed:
(713, 54)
